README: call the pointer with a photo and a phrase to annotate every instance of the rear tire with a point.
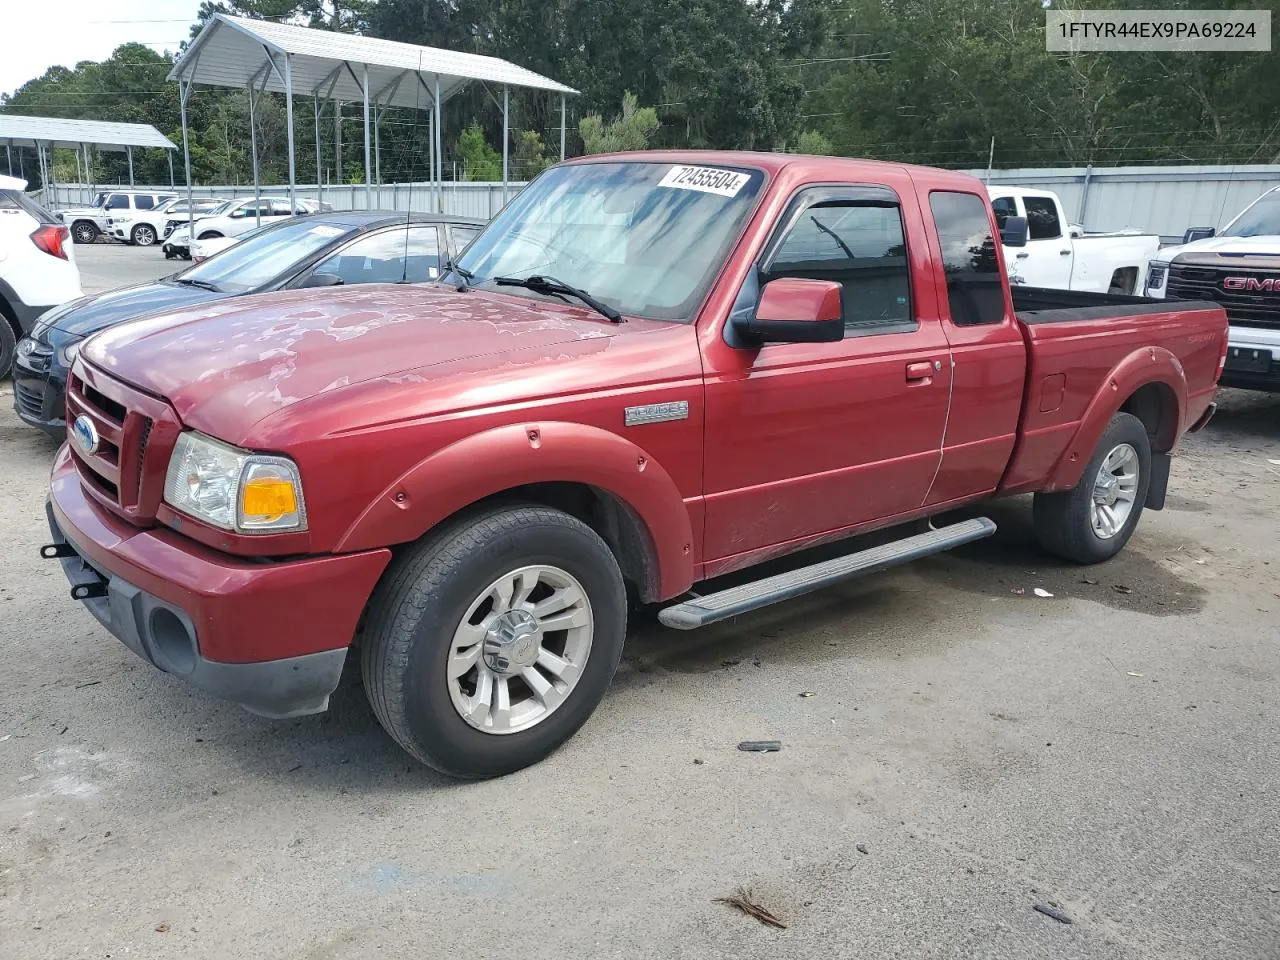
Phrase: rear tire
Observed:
(1094, 521)
(82, 231)
(143, 235)
(423, 662)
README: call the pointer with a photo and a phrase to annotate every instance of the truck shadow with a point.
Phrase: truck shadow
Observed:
(1246, 415)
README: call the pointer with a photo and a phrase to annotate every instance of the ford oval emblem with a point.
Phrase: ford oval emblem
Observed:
(85, 434)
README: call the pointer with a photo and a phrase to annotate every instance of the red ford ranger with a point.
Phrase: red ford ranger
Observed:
(649, 371)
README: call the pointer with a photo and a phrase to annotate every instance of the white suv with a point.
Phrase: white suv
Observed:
(146, 227)
(234, 218)
(88, 223)
(37, 265)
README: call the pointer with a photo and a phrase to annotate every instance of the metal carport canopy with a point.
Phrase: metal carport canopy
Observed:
(45, 133)
(261, 55)
(20, 131)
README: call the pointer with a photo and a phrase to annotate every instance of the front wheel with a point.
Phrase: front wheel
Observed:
(1094, 521)
(491, 642)
(8, 345)
(209, 235)
(144, 235)
(84, 232)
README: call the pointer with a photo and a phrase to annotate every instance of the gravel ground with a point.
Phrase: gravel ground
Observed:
(971, 750)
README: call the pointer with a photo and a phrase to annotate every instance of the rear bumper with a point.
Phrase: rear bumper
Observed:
(272, 637)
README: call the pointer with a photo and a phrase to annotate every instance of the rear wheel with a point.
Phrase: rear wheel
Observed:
(491, 642)
(84, 232)
(144, 235)
(1094, 521)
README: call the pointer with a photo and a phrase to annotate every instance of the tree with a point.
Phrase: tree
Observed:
(630, 131)
(479, 160)
(531, 155)
(815, 143)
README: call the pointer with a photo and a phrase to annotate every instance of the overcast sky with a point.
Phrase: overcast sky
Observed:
(38, 34)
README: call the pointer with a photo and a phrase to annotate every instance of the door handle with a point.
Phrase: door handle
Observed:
(1023, 256)
(1064, 253)
(922, 370)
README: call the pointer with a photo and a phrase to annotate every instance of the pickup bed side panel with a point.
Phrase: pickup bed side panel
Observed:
(539, 451)
(1084, 366)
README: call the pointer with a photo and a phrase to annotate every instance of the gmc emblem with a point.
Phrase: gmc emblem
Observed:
(1269, 285)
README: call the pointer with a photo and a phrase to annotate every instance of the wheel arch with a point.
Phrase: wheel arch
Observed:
(1148, 383)
(603, 479)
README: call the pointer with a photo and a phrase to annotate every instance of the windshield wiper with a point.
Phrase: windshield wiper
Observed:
(202, 284)
(466, 275)
(540, 284)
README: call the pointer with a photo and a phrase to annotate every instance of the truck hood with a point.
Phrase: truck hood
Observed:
(226, 365)
(1226, 247)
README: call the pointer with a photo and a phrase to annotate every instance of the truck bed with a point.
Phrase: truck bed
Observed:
(1079, 341)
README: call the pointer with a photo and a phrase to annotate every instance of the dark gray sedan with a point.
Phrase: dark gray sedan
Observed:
(320, 250)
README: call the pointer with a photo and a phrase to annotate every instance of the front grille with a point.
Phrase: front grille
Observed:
(30, 402)
(135, 432)
(1244, 308)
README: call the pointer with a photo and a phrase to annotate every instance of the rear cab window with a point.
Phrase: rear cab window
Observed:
(975, 286)
(1043, 222)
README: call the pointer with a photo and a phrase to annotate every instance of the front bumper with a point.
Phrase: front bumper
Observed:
(180, 249)
(272, 636)
(1247, 366)
(39, 391)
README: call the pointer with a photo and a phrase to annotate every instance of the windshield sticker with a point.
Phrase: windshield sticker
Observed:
(726, 183)
(323, 230)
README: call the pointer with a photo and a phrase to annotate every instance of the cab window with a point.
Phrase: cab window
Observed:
(975, 287)
(858, 241)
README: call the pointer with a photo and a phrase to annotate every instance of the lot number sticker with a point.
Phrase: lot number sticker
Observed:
(726, 183)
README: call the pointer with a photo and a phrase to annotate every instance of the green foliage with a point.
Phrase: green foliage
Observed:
(531, 155)
(631, 131)
(815, 143)
(479, 160)
(928, 81)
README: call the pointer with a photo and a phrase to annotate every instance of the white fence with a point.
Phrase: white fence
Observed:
(1163, 200)
(457, 198)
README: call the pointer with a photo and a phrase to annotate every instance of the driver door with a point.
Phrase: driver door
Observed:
(806, 439)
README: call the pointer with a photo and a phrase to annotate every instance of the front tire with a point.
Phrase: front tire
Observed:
(84, 232)
(1094, 521)
(209, 235)
(491, 642)
(143, 235)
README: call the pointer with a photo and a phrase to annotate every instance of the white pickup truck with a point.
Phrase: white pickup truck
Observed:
(1063, 257)
(1240, 269)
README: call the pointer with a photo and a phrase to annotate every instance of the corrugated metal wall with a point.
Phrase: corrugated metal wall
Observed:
(1163, 200)
(480, 200)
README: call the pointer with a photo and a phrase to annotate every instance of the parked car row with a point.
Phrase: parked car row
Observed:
(649, 371)
(332, 249)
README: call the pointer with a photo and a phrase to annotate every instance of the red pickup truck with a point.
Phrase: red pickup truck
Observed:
(649, 371)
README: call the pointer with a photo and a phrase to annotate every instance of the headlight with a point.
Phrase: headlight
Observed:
(234, 489)
(1156, 273)
(67, 353)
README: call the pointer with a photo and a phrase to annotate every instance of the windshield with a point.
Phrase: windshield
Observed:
(263, 257)
(1260, 220)
(646, 238)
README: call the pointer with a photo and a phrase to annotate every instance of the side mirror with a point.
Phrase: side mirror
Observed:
(1198, 233)
(1014, 232)
(796, 310)
(322, 280)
